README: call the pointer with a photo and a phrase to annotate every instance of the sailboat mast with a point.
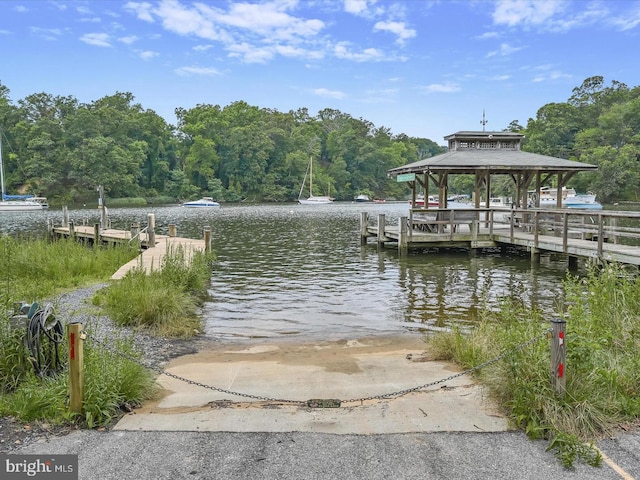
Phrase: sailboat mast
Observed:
(311, 177)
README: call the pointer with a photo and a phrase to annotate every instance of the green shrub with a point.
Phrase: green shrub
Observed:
(602, 365)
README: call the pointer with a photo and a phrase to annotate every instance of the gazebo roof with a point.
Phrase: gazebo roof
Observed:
(471, 152)
(497, 161)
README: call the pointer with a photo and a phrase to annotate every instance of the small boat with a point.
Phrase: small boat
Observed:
(17, 203)
(204, 202)
(312, 199)
(570, 199)
(432, 201)
(362, 198)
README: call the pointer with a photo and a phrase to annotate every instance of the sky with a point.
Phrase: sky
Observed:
(417, 67)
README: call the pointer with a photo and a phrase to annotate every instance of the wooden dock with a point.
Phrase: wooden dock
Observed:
(153, 248)
(605, 236)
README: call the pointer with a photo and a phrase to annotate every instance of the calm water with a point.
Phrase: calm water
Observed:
(289, 269)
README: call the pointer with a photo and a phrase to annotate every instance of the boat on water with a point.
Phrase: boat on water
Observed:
(204, 202)
(18, 203)
(569, 199)
(312, 199)
(362, 198)
(432, 201)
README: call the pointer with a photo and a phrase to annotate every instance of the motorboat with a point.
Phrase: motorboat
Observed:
(432, 201)
(204, 202)
(569, 199)
(362, 198)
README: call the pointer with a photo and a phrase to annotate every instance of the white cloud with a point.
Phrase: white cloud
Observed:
(526, 12)
(250, 53)
(550, 76)
(629, 20)
(324, 92)
(191, 71)
(487, 35)
(442, 88)
(143, 10)
(96, 39)
(128, 40)
(398, 28)
(342, 51)
(47, 33)
(504, 50)
(148, 54)
(356, 7)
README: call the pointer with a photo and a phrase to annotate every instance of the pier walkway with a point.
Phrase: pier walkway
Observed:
(601, 235)
(153, 248)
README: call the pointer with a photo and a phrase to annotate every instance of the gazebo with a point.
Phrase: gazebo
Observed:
(484, 154)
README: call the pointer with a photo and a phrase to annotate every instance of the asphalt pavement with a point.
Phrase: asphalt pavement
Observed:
(124, 455)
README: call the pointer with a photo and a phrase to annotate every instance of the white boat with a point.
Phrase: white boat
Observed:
(362, 198)
(312, 199)
(204, 202)
(432, 201)
(17, 203)
(570, 199)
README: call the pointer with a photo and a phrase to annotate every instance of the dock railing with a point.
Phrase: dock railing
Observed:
(570, 226)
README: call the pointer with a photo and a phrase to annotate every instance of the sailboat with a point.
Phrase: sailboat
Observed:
(17, 203)
(312, 200)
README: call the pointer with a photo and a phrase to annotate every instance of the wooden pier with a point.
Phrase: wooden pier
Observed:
(605, 236)
(153, 247)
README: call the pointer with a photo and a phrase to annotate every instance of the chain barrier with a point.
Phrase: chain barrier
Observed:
(318, 403)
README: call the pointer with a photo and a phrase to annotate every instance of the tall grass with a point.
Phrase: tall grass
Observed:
(110, 382)
(165, 301)
(603, 364)
(35, 270)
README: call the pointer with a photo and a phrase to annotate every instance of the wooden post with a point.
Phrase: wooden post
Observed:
(558, 356)
(364, 222)
(402, 235)
(65, 216)
(96, 234)
(207, 239)
(381, 236)
(151, 232)
(173, 230)
(72, 230)
(76, 366)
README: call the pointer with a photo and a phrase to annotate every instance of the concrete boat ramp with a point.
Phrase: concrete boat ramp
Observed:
(349, 370)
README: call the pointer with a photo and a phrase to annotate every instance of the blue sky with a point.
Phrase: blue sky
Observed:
(423, 68)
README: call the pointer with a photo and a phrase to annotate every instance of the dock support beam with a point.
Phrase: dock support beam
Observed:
(207, 239)
(364, 221)
(403, 240)
(573, 263)
(151, 230)
(381, 236)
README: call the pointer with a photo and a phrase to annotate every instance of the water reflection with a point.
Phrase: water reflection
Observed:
(300, 270)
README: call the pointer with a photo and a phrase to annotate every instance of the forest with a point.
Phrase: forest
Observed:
(62, 149)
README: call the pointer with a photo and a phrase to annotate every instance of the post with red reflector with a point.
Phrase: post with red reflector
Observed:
(76, 366)
(558, 356)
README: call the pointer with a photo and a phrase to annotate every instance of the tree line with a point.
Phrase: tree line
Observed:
(57, 147)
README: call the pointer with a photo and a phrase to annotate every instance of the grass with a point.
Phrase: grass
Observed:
(36, 270)
(163, 302)
(603, 366)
